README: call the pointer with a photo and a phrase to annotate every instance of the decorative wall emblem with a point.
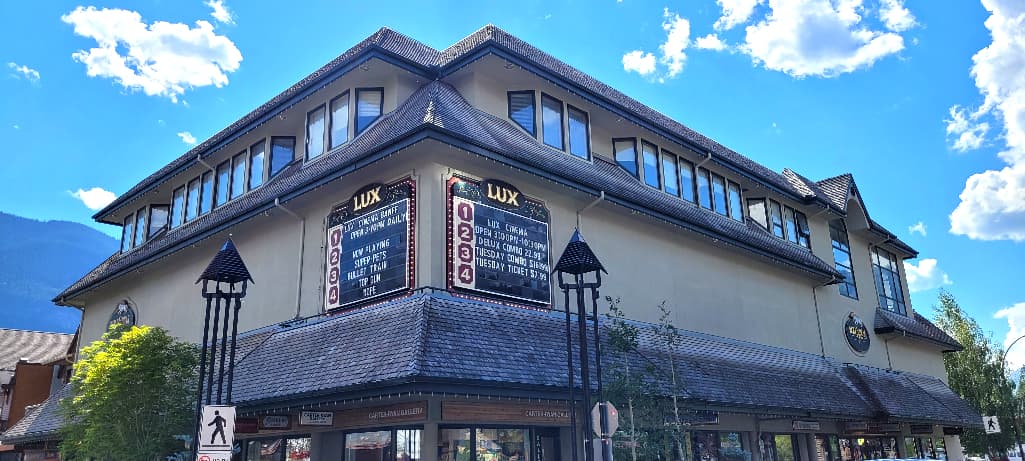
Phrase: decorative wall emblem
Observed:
(370, 244)
(498, 241)
(856, 333)
(123, 315)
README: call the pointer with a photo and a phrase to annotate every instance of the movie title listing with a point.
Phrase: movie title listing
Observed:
(369, 245)
(498, 241)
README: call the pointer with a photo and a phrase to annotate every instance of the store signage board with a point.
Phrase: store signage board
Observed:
(806, 425)
(498, 242)
(248, 425)
(316, 418)
(217, 429)
(991, 424)
(857, 334)
(369, 245)
(382, 415)
(275, 422)
(123, 315)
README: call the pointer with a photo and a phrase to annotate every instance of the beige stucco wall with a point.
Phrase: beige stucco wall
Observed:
(711, 288)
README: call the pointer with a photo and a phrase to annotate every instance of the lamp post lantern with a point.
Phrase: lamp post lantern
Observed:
(579, 270)
(224, 285)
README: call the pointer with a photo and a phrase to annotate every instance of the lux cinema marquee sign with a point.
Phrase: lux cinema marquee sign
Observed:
(370, 244)
(498, 242)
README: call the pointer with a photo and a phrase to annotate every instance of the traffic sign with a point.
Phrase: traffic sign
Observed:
(214, 456)
(611, 415)
(216, 431)
(992, 424)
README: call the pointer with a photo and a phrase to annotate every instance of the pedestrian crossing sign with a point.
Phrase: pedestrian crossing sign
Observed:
(217, 429)
(992, 424)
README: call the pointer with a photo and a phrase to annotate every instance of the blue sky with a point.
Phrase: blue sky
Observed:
(885, 89)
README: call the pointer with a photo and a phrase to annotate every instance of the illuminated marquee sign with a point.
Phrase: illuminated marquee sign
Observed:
(498, 241)
(370, 244)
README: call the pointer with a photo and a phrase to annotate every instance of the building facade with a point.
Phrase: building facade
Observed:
(400, 210)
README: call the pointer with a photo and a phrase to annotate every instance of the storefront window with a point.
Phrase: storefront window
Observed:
(731, 447)
(766, 447)
(941, 448)
(706, 446)
(264, 450)
(407, 445)
(502, 445)
(913, 447)
(454, 445)
(368, 446)
(298, 449)
(827, 448)
(785, 447)
(492, 444)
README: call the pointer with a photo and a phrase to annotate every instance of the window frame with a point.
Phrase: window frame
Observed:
(899, 302)
(845, 286)
(674, 161)
(615, 154)
(127, 233)
(270, 158)
(141, 226)
(263, 166)
(217, 183)
(658, 165)
(700, 173)
(151, 232)
(587, 132)
(716, 178)
(331, 120)
(773, 205)
(245, 174)
(562, 121)
(730, 185)
(359, 91)
(693, 183)
(533, 109)
(323, 135)
(179, 210)
(204, 201)
(199, 200)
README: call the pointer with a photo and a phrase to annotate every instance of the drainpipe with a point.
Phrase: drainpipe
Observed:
(302, 251)
(601, 197)
(200, 160)
(708, 156)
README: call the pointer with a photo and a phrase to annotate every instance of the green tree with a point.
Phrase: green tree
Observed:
(133, 391)
(977, 374)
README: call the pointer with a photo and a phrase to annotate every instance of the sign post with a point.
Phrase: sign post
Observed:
(216, 433)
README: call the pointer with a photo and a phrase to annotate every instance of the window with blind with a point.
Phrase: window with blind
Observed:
(521, 110)
(369, 106)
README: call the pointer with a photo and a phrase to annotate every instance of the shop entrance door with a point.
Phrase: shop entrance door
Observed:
(546, 444)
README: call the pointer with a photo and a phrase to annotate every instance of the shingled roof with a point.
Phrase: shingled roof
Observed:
(915, 326)
(41, 422)
(32, 346)
(437, 111)
(437, 338)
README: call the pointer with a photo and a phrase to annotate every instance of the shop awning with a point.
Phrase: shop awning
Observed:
(438, 342)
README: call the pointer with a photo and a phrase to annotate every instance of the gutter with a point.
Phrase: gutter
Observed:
(302, 254)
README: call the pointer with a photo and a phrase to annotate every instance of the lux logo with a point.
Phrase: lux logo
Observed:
(503, 195)
(365, 199)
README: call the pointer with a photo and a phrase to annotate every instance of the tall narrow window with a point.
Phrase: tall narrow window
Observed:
(686, 180)
(649, 154)
(521, 110)
(551, 121)
(282, 151)
(223, 183)
(178, 207)
(126, 233)
(314, 133)
(256, 164)
(579, 138)
(736, 209)
(756, 210)
(842, 258)
(140, 227)
(192, 200)
(719, 194)
(888, 285)
(238, 175)
(803, 231)
(626, 154)
(369, 106)
(339, 120)
(776, 219)
(157, 219)
(791, 223)
(704, 189)
(669, 174)
(206, 193)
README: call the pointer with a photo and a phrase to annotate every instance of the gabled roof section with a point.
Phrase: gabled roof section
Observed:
(437, 111)
(42, 422)
(385, 43)
(915, 326)
(32, 346)
(838, 190)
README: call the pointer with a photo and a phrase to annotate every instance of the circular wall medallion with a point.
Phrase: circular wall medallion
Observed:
(123, 315)
(856, 333)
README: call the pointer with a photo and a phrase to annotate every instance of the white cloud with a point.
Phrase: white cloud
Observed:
(894, 16)
(926, 276)
(992, 203)
(1015, 316)
(735, 12)
(220, 12)
(23, 71)
(187, 138)
(677, 39)
(709, 42)
(159, 59)
(824, 38)
(640, 62)
(16, 126)
(672, 56)
(967, 133)
(94, 198)
(918, 227)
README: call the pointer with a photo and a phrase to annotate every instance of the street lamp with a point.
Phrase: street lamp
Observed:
(227, 271)
(1014, 408)
(579, 261)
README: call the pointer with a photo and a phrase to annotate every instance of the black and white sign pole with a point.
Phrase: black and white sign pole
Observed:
(226, 268)
(579, 261)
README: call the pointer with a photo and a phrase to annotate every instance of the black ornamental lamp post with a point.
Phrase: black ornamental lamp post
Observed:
(224, 285)
(579, 270)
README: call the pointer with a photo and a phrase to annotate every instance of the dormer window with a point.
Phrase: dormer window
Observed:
(315, 133)
(369, 106)
(282, 152)
(551, 121)
(521, 110)
(649, 158)
(781, 220)
(888, 285)
(339, 120)
(563, 126)
(142, 225)
(579, 132)
(625, 151)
